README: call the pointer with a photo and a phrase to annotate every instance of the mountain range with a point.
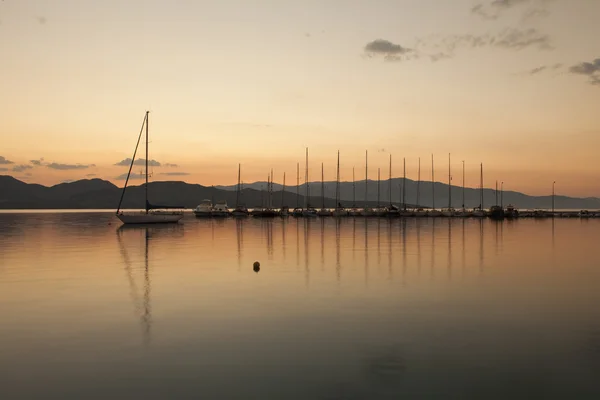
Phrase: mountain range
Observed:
(101, 194)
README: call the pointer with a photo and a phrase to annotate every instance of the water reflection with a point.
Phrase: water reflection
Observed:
(67, 291)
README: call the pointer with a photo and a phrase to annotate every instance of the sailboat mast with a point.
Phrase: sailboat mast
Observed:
(481, 188)
(432, 185)
(237, 197)
(496, 193)
(147, 121)
(419, 184)
(366, 177)
(271, 191)
(132, 161)
(337, 182)
(463, 186)
(404, 185)
(449, 184)
(353, 189)
(297, 185)
(390, 181)
(378, 191)
(283, 191)
(306, 181)
(322, 187)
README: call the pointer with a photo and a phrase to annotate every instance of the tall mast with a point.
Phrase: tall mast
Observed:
(337, 183)
(353, 189)
(147, 120)
(390, 181)
(404, 185)
(297, 185)
(449, 184)
(322, 187)
(419, 184)
(283, 191)
(306, 181)
(366, 177)
(496, 193)
(132, 161)
(481, 188)
(463, 186)
(378, 191)
(237, 197)
(271, 191)
(432, 185)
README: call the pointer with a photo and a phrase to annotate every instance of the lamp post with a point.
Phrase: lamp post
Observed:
(502, 195)
(553, 183)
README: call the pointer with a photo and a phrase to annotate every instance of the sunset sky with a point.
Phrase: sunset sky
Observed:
(514, 84)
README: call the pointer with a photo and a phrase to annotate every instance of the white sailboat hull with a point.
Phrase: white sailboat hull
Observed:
(143, 218)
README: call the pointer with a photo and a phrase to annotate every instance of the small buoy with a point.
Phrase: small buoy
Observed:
(256, 266)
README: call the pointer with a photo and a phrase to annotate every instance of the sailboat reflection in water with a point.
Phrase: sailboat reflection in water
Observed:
(142, 303)
(153, 213)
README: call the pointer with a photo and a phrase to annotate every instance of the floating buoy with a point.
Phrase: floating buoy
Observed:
(256, 266)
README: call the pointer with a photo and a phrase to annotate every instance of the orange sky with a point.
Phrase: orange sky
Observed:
(501, 83)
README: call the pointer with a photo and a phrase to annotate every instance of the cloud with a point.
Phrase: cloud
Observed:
(122, 177)
(390, 51)
(3, 169)
(171, 165)
(494, 9)
(543, 68)
(589, 69)
(175, 173)
(21, 168)
(519, 39)
(69, 166)
(140, 161)
(36, 162)
(90, 175)
(5, 161)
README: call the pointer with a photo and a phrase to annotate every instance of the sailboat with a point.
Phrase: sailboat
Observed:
(284, 211)
(339, 211)
(354, 211)
(433, 212)
(153, 214)
(308, 210)
(479, 211)
(323, 212)
(450, 211)
(240, 209)
(268, 211)
(367, 211)
(297, 212)
(419, 211)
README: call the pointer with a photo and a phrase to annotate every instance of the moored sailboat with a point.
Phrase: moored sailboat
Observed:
(153, 214)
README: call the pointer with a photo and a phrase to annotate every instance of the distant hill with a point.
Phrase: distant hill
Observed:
(101, 194)
(472, 195)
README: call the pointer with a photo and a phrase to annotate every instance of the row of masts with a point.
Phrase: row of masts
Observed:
(337, 190)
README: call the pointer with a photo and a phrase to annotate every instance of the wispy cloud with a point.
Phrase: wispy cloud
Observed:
(494, 9)
(5, 161)
(3, 169)
(589, 69)
(69, 166)
(388, 50)
(175, 173)
(140, 161)
(171, 165)
(21, 168)
(122, 177)
(543, 68)
(90, 175)
(437, 47)
(37, 162)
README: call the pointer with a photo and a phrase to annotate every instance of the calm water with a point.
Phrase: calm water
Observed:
(355, 309)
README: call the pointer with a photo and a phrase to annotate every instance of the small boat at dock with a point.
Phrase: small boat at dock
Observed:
(204, 209)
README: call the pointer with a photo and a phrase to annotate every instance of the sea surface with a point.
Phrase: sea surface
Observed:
(340, 309)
